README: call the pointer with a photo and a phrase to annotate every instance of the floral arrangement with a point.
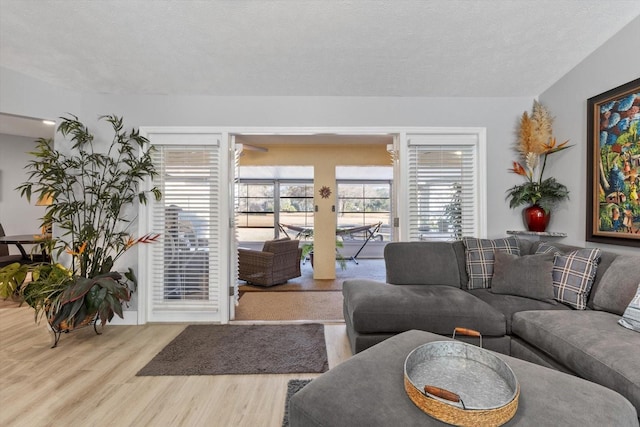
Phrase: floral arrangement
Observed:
(534, 144)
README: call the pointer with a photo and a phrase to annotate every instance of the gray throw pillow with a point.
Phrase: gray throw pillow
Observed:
(618, 284)
(479, 255)
(526, 276)
(631, 317)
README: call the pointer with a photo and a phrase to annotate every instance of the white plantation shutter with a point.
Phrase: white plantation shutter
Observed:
(233, 202)
(443, 187)
(187, 273)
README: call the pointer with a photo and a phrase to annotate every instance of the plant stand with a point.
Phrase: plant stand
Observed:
(89, 320)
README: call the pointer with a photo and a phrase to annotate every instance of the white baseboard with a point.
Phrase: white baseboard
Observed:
(130, 318)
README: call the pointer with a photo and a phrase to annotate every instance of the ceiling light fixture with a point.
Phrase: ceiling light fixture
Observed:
(49, 122)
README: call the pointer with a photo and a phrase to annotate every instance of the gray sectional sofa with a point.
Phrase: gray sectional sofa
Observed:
(428, 289)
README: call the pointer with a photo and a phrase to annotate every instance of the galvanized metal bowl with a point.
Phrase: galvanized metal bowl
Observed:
(461, 384)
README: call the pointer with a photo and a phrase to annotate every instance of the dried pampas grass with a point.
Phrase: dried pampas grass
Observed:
(525, 135)
(535, 131)
(542, 126)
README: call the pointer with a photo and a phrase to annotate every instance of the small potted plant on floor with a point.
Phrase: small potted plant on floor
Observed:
(307, 252)
(93, 194)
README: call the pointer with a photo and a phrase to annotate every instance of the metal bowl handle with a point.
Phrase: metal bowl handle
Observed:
(467, 332)
(443, 394)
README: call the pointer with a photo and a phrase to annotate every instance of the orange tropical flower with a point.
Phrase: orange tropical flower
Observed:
(130, 242)
(550, 147)
(517, 168)
(80, 250)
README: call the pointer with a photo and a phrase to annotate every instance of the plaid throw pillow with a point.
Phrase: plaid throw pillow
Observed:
(479, 258)
(631, 317)
(573, 275)
(546, 248)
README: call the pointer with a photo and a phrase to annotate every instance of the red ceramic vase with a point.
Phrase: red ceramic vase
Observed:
(536, 218)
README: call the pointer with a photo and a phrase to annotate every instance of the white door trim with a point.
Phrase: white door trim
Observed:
(400, 134)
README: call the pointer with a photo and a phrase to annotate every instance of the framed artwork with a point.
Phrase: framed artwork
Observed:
(613, 165)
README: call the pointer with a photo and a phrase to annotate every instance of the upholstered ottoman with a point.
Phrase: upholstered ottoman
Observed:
(367, 390)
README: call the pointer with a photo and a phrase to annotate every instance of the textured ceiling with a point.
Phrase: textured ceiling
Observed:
(326, 48)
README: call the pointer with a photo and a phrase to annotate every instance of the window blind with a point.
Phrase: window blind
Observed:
(186, 264)
(443, 203)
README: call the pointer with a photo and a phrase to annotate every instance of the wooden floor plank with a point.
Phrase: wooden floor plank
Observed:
(90, 380)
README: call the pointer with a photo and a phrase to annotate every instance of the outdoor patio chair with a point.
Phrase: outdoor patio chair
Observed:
(277, 262)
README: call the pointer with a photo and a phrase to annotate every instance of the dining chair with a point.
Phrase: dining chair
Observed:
(5, 257)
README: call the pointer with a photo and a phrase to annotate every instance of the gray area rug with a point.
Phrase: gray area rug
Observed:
(242, 349)
(292, 388)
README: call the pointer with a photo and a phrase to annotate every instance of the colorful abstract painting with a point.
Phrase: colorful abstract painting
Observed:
(614, 166)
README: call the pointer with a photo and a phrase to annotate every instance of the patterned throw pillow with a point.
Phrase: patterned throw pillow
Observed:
(631, 317)
(546, 248)
(573, 274)
(479, 258)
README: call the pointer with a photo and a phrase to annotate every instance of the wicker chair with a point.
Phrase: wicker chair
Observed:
(278, 262)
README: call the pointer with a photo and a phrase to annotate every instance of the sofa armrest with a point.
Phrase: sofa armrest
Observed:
(422, 263)
(254, 263)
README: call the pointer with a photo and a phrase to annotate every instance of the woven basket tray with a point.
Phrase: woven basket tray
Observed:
(461, 384)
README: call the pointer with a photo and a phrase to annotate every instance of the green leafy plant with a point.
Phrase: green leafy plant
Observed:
(307, 251)
(535, 144)
(453, 211)
(544, 194)
(93, 195)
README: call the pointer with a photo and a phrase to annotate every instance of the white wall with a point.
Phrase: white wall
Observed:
(17, 216)
(498, 115)
(613, 64)
(25, 96)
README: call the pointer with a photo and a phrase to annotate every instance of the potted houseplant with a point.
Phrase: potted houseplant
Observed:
(307, 252)
(535, 143)
(453, 212)
(93, 195)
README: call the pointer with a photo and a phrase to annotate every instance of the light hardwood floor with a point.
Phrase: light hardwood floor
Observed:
(90, 380)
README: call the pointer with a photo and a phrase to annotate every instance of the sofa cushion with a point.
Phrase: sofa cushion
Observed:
(510, 304)
(631, 317)
(418, 263)
(618, 284)
(525, 246)
(606, 259)
(590, 343)
(526, 276)
(459, 249)
(376, 307)
(480, 258)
